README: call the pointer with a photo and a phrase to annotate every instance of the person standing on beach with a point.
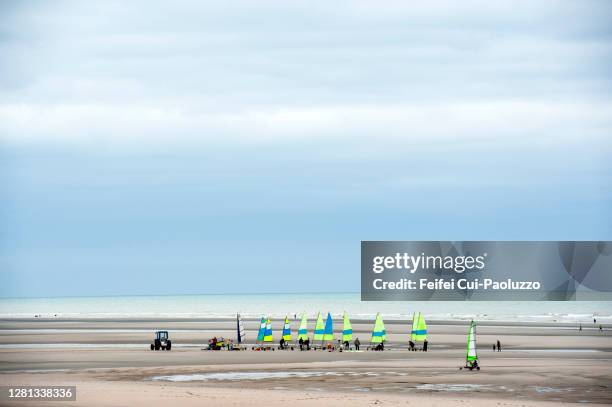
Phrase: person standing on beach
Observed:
(357, 343)
(498, 346)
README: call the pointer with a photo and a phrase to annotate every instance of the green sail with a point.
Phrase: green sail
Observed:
(347, 329)
(319, 328)
(303, 329)
(379, 334)
(471, 354)
(419, 328)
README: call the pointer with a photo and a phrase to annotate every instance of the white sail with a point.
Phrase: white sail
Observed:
(471, 345)
(241, 331)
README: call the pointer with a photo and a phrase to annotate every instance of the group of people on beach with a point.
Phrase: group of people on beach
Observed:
(412, 346)
(220, 343)
(304, 344)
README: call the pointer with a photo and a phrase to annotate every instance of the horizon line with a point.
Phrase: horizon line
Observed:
(177, 295)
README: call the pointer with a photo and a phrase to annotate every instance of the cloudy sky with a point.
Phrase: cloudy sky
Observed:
(193, 147)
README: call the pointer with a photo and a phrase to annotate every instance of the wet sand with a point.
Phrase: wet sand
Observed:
(539, 364)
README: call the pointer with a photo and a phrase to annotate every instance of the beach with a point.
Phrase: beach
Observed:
(110, 363)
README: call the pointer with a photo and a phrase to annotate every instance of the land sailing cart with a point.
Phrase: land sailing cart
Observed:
(471, 357)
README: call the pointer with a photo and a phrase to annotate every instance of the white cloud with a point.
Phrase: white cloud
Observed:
(124, 125)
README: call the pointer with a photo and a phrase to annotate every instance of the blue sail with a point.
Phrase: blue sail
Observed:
(328, 333)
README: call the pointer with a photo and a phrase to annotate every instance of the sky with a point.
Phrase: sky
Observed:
(192, 147)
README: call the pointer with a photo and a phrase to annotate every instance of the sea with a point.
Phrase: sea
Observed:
(278, 305)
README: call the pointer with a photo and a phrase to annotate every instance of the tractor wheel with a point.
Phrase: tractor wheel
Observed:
(152, 347)
(169, 345)
(157, 344)
(163, 348)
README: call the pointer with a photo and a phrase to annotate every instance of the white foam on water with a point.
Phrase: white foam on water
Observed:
(233, 376)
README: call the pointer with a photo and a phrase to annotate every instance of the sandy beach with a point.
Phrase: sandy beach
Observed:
(109, 362)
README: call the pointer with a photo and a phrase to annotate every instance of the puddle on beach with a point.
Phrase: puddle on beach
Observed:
(34, 371)
(555, 350)
(545, 389)
(233, 376)
(450, 387)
